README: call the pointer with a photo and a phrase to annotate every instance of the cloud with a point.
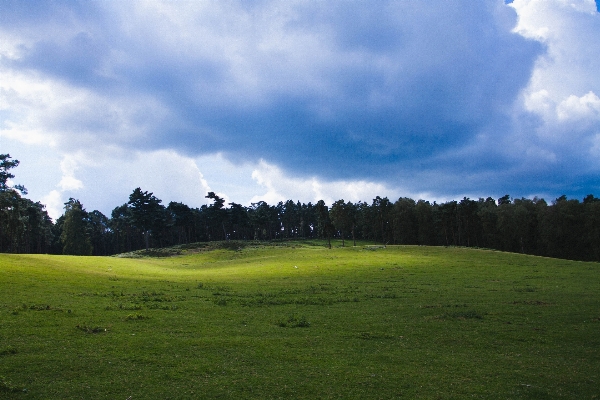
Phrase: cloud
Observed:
(584, 108)
(54, 204)
(281, 187)
(169, 176)
(337, 98)
(68, 181)
(563, 90)
(286, 83)
(569, 63)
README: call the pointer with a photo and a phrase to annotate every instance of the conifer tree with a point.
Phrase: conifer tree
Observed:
(146, 212)
(75, 236)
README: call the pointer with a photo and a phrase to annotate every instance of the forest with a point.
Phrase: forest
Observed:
(564, 228)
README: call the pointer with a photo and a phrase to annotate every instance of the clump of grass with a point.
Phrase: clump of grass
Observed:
(159, 297)
(8, 350)
(120, 306)
(7, 387)
(532, 303)
(220, 301)
(373, 248)
(294, 322)
(91, 329)
(460, 315)
(466, 315)
(528, 289)
(374, 335)
(34, 307)
(43, 307)
(383, 296)
(18, 309)
(162, 307)
(136, 317)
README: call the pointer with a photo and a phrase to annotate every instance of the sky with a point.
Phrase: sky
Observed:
(302, 100)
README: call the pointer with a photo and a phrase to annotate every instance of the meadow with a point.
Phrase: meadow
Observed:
(299, 320)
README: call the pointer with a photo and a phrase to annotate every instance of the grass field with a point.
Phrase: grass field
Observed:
(298, 320)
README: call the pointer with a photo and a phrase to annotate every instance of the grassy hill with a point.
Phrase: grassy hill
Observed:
(298, 320)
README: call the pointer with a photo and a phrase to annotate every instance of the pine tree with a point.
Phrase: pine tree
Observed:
(146, 211)
(75, 236)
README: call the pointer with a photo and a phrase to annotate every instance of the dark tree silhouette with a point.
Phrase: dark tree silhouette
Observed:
(146, 212)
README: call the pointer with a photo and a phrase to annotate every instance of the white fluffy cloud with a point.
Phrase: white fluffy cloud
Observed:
(281, 187)
(54, 204)
(559, 123)
(565, 83)
(585, 108)
(68, 181)
(110, 180)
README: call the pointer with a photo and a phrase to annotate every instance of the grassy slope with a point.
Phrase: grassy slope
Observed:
(412, 322)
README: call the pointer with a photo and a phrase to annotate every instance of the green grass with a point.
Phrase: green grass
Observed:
(298, 320)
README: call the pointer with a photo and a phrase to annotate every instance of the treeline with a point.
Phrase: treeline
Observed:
(25, 226)
(566, 228)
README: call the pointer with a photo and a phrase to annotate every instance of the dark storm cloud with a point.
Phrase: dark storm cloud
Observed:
(402, 82)
(417, 92)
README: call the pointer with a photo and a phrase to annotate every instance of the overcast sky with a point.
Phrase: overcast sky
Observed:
(303, 100)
